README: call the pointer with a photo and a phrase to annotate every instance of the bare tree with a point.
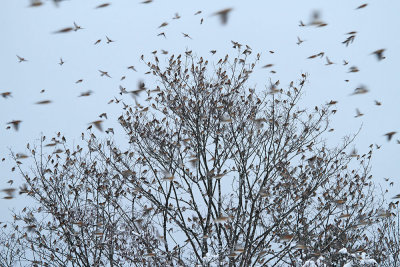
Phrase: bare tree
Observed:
(216, 173)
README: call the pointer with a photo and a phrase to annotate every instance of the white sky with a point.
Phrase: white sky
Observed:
(263, 25)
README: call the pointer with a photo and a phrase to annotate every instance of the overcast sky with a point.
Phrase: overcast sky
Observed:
(263, 25)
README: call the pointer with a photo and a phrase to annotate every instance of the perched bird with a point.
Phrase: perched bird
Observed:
(104, 73)
(379, 54)
(21, 59)
(15, 124)
(223, 14)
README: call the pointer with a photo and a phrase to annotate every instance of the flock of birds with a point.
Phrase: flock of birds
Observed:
(223, 15)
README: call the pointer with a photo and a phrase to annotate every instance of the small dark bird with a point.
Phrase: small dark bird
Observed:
(87, 93)
(5, 94)
(64, 30)
(163, 24)
(223, 14)
(77, 27)
(379, 54)
(21, 59)
(104, 73)
(198, 12)
(362, 6)
(97, 42)
(378, 103)
(43, 102)
(132, 68)
(103, 5)
(162, 33)
(109, 40)
(35, 3)
(15, 124)
(61, 62)
(299, 41)
(98, 125)
(186, 35)
(390, 135)
(213, 51)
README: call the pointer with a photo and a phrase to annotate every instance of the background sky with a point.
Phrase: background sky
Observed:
(263, 25)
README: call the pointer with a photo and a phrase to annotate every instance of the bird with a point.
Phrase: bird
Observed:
(301, 24)
(79, 81)
(61, 61)
(147, 2)
(64, 30)
(362, 6)
(15, 124)
(213, 51)
(77, 27)
(104, 73)
(345, 62)
(163, 24)
(87, 93)
(359, 114)
(268, 66)
(97, 124)
(389, 135)
(43, 102)
(377, 103)
(176, 16)
(328, 61)
(299, 41)
(109, 40)
(162, 33)
(103, 5)
(5, 94)
(97, 42)
(35, 3)
(198, 12)
(353, 69)
(223, 15)
(379, 54)
(186, 35)
(360, 90)
(103, 115)
(132, 68)
(21, 59)
(349, 40)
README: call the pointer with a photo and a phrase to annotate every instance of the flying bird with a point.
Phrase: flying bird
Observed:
(362, 6)
(186, 35)
(43, 102)
(109, 40)
(64, 30)
(299, 41)
(77, 27)
(379, 54)
(5, 94)
(61, 61)
(223, 14)
(21, 59)
(104, 73)
(103, 5)
(97, 124)
(97, 42)
(389, 135)
(15, 124)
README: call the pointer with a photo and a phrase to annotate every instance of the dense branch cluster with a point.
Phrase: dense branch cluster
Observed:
(216, 173)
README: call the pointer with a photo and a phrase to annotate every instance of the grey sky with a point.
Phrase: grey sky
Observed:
(263, 25)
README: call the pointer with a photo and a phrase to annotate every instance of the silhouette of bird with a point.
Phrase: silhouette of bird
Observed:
(299, 41)
(61, 62)
(379, 54)
(186, 35)
(109, 40)
(389, 135)
(15, 124)
(21, 59)
(362, 6)
(104, 73)
(223, 15)
(103, 5)
(5, 94)
(64, 30)
(77, 27)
